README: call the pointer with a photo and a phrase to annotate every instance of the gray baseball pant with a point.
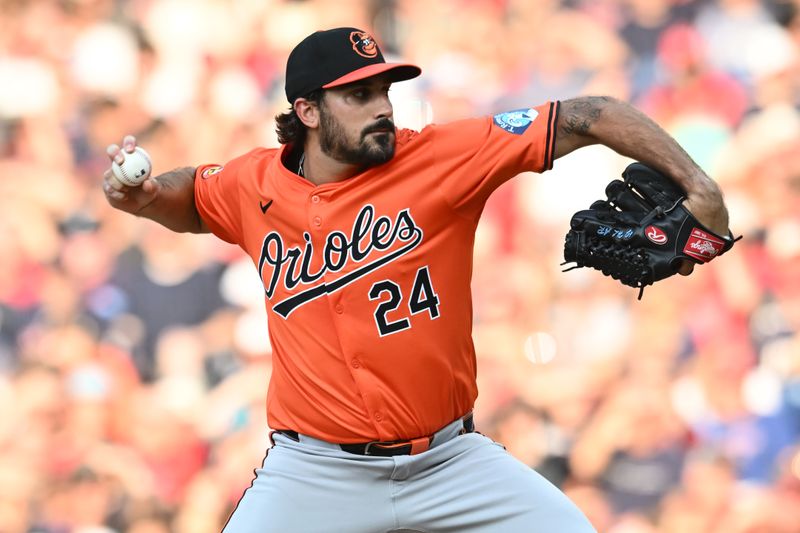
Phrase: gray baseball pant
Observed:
(463, 483)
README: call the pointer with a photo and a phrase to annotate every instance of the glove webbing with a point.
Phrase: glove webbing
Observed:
(623, 263)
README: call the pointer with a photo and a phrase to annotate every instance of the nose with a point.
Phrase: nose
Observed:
(383, 107)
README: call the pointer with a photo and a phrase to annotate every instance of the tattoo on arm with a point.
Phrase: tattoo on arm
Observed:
(174, 205)
(580, 113)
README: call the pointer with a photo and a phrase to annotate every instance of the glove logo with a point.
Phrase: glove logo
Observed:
(702, 246)
(656, 235)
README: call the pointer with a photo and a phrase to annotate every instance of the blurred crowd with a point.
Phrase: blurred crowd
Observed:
(134, 361)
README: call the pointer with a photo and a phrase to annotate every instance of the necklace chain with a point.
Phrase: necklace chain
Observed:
(300, 166)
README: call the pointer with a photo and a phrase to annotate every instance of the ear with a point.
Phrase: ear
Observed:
(307, 111)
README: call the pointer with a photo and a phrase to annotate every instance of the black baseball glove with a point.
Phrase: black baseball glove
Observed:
(642, 232)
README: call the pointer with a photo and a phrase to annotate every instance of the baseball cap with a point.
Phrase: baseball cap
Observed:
(330, 58)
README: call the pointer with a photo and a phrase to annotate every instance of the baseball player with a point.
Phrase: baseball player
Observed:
(362, 235)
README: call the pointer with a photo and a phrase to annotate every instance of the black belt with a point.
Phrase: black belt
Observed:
(391, 448)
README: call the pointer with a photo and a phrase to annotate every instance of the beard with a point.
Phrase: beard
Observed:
(372, 148)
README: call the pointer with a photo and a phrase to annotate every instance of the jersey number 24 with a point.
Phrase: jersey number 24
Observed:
(423, 298)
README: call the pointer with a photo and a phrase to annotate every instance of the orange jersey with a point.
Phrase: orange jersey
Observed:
(367, 280)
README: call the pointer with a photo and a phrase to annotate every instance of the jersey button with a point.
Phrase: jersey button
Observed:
(339, 308)
(317, 221)
(355, 363)
(315, 199)
(378, 416)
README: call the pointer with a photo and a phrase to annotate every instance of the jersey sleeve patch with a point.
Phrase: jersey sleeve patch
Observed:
(516, 121)
(210, 171)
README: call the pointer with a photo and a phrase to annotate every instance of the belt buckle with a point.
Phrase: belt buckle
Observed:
(416, 446)
(369, 445)
(388, 446)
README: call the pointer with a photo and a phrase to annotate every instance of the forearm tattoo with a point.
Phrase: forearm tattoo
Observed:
(580, 113)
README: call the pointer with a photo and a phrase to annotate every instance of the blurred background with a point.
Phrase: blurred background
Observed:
(134, 361)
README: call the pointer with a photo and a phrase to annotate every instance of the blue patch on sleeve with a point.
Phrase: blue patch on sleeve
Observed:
(516, 121)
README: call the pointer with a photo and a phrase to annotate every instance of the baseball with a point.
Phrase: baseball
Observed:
(133, 171)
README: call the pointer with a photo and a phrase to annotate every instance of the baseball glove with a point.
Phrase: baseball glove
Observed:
(641, 232)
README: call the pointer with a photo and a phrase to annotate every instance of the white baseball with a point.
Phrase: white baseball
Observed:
(133, 171)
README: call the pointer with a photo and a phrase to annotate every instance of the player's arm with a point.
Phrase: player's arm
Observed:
(167, 198)
(623, 128)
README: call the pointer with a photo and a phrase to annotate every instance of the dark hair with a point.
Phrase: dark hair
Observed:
(288, 125)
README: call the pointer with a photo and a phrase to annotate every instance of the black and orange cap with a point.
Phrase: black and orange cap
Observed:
(330, 58)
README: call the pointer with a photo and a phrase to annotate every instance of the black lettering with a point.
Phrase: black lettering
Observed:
(381, 229)
(308, 254)
(368, 234)
(405, 229)
(336, 244)
(360, 230)
(408, 228)
(276, 260)
(292, 278)
(288, 305)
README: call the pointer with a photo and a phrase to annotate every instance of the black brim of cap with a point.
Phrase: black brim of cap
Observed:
(396, 71)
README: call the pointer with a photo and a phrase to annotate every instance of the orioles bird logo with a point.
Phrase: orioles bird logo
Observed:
(364, 44)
